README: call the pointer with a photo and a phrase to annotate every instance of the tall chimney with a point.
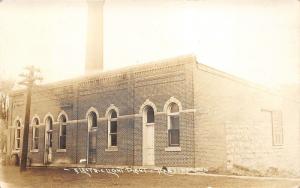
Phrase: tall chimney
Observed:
(94, 38)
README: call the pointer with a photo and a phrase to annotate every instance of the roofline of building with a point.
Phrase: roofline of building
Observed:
(190, 58)
(242, 81)
(128, 69)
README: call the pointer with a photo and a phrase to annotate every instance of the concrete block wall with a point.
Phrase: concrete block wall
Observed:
(230, 124)
(210, 146)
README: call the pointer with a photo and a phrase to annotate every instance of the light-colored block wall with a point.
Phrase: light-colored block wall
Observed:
(232, 128)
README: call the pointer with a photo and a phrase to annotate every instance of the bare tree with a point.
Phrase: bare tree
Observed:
(5, 88)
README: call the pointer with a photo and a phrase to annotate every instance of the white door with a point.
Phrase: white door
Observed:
(49, 157)
(48, 141)
(48, 147)
(92, 147)
(148, 144)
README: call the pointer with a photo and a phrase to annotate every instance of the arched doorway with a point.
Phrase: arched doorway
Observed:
(92, 138)
(148, 136)
(48, 140)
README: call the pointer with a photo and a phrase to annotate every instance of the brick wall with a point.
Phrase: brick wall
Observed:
(127, 90)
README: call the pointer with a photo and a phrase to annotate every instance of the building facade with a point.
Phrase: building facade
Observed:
(174, 113)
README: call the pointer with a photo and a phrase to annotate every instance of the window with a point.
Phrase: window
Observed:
(150, 114)
(173, 125)
(62, 132)
(277, 130)
(112, 129)
(273, 119)
(92, 120)
(18, 135)
(35, 134)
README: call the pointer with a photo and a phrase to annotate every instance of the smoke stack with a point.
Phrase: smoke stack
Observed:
(94, 40)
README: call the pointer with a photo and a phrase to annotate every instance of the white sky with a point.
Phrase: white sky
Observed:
(258, 40)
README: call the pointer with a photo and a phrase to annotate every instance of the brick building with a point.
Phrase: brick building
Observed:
(174, 113)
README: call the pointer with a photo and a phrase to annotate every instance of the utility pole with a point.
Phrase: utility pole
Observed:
(29, 80)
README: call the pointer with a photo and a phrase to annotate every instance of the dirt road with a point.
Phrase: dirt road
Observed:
(10, 177)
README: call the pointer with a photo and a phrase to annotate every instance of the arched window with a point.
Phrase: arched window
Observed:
(62, 132)
(18, 135)
(112, 128)
(92, 120)
(35, 134)
(149, 114)
(173, 124)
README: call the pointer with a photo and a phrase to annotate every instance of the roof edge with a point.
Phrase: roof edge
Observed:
(189, 58)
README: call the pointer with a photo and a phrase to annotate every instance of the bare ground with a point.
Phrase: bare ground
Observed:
(56, 177)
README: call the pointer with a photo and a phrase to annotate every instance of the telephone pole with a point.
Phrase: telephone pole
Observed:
(30, 77)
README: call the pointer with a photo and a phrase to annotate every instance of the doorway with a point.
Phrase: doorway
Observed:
(48, 140)
(148, 136)
(92, 147)
(92, 139)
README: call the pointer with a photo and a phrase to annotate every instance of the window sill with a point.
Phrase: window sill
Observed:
(34, 150)
(112, 148)
(277, 147)
(173, 148)
(150, 124)
(61, 150)
(16, 151)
